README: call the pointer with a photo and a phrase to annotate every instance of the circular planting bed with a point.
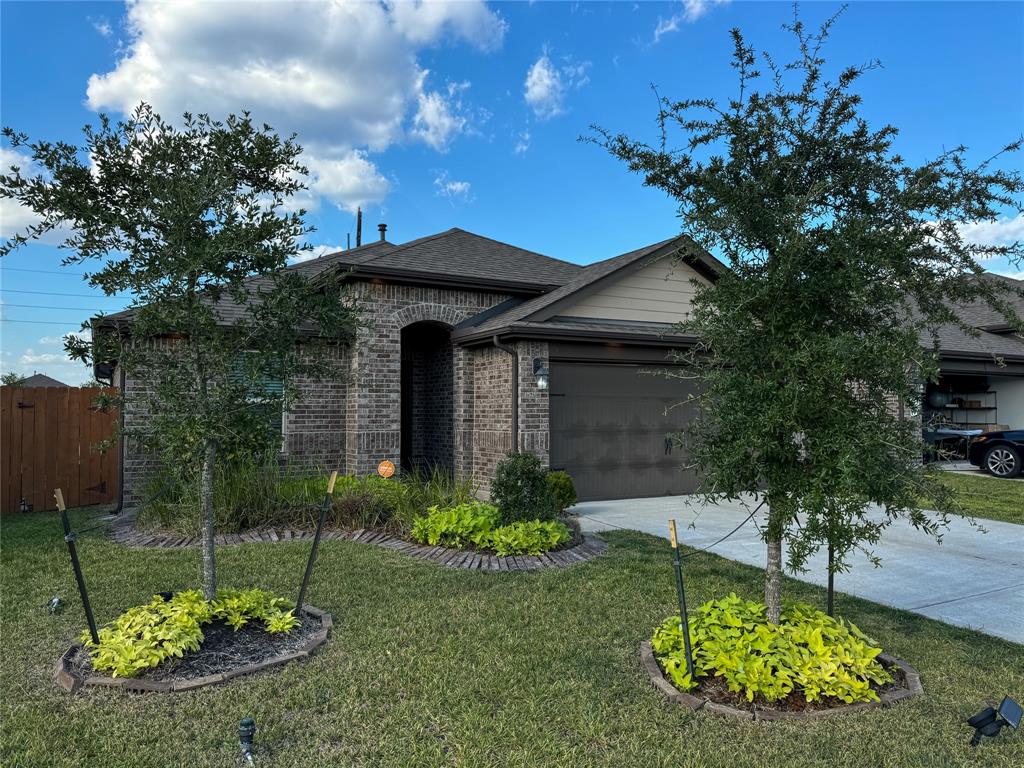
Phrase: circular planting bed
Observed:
(224, 655)
(713, 695)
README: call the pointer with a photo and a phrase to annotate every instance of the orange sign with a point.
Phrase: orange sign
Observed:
(386, 468)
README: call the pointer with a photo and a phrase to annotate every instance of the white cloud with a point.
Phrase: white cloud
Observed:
(102, 26)
(438, 118)
(14, 217)
(348, 181)
(58, 341)
(343, 75)
(445, 186)
(999, 232)
(691, 11)
(316, 252)
(547, 84)
(522, 143)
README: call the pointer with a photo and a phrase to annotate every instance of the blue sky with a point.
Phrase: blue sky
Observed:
(467, 114)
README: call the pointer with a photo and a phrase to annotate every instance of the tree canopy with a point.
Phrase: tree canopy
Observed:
(845, 260)
(196, 223)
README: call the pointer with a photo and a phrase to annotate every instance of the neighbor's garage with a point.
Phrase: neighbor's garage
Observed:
(610, 427)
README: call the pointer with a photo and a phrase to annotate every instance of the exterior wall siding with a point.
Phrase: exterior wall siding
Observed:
(660, 292)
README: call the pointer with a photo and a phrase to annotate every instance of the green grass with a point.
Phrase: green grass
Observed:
(435, 667)
(988, 497)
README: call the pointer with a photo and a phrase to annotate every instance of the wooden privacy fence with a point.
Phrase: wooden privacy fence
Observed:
(48, 438)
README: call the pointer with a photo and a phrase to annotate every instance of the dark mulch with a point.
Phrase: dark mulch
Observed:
(717, 690)
(223, 650)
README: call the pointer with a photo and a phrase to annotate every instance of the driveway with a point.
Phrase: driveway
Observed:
(972, 579)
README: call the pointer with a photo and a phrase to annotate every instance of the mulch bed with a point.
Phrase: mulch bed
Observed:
(713, 694)
(223, 655)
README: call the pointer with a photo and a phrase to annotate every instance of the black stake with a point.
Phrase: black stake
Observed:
(681, 590)
(831, 580)
(324, 506)
(69, 538)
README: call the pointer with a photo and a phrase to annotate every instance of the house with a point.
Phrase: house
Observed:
(41, 380)
(474, 348)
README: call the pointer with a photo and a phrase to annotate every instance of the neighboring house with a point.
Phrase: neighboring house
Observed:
(41, 380)
(982, 376)
(474, 348)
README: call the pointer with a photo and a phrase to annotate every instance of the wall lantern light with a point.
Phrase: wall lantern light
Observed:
(540, 370)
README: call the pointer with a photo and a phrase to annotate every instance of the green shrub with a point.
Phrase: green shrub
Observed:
(562, 491)
(254, 494)
(528, 538)
(808, 652)
(476, 523)
(469, 523)
(146, 635)
(520, 489)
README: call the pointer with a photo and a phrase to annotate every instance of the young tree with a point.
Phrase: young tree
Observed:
(192, 222)
(12, 379)
(845, 261)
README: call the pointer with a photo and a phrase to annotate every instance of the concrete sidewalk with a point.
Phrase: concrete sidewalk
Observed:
(972, 579)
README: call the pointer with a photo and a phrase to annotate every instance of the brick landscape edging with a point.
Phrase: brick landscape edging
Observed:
(66, 678)
(698, 703)
(124, 532)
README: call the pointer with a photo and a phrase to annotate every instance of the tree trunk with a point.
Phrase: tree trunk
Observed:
(206, 492)
(773, 566)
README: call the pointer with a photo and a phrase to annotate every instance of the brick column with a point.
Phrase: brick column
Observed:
(534, 424)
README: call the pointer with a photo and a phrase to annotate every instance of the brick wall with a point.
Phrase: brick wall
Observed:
(492, 413)
(374, 407)
(314, 427)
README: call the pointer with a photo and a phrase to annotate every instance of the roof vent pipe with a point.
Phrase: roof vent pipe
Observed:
(382, 228)
(359, 227)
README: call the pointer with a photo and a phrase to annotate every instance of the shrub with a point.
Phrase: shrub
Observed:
(476, 524)
(252, 494)
(808, 652)
(147, 635)
(520, 489)
(528, 538)
(562, 491)
(469, 523)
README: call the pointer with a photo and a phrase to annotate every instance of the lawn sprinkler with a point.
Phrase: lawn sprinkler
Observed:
(56, 605)
(246, 733)
(990, 721)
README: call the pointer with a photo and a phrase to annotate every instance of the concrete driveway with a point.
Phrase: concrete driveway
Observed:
(972, 579)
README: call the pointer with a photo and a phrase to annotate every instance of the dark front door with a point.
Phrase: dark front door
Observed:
(610, 427)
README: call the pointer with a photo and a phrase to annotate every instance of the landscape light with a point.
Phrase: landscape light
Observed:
(990, 721)
(540, 370)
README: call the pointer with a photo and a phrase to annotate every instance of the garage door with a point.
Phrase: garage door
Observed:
(609, 430)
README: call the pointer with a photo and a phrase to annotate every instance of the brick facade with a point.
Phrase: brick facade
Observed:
(461, 398)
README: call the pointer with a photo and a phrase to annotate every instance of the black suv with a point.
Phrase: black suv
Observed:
(1000, 453)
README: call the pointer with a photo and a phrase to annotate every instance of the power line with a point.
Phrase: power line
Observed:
(81, 295)
(42, 271)
(34, 322)
(50, 306)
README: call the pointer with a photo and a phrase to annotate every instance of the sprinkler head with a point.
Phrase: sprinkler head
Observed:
(246, 732)
(56, 605)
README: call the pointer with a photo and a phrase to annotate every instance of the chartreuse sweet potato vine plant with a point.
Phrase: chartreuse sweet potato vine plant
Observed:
(808, 652)
(145, 636)
(476, 524)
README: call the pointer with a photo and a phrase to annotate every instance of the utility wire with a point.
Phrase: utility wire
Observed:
(36, 322)
(51, 306)
(42, 271)
(55, 293)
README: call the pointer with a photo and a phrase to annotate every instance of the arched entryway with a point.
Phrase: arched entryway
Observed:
(427, 397)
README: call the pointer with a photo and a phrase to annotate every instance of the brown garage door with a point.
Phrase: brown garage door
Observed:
(609, 428)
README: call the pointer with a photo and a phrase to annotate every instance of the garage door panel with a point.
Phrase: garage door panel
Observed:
(609, 425)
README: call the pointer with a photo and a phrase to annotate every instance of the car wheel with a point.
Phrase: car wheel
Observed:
(1003, 461)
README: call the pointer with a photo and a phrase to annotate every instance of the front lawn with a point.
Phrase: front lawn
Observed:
(429, 666)
(988, 497)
